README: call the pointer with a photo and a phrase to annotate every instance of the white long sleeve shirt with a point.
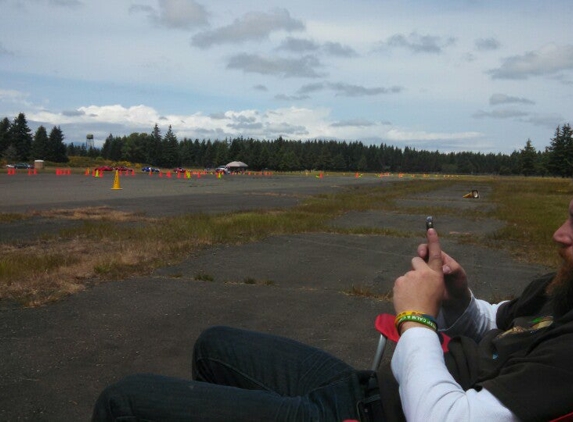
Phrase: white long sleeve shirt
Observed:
(427, 390)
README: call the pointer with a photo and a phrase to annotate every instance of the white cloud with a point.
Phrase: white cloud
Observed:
(252, 26)
(348, 90)
(548, 60)
(401, 135)
(353, 123)
(500, 114)
(179, 14)
(302, 45)
(417, 43)
(290, 122)
(298, 45)
(549, 121)
(17, 98)
(497, 99)
(66, 3)
(487, 44)
(303, 67)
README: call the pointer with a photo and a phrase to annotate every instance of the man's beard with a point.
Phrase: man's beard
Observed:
(561, 287)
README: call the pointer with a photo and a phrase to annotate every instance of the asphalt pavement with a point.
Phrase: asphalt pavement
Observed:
(56, 359)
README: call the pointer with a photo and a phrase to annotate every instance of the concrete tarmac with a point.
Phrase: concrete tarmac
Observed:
(54, 360)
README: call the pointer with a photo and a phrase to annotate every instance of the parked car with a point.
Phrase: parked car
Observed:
(222, 169)
(123, 168)
(19, 166)
(179, 170)
(104, 168)
(150, 169)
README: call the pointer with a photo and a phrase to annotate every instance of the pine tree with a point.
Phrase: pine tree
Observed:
(4, 134)
(21, 137)
(560, 151)
(40, 144)
(56, 146)
(153, 150)
(221, 153)
(528, 159)
(170, 150)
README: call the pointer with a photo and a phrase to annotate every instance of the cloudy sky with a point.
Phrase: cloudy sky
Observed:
(451, 75)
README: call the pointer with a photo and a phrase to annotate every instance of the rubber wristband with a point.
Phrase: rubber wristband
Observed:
(401, 314)
(418, 313)
(426, 320)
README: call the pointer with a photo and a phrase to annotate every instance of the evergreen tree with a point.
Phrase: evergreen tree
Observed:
(187, 153)
(221, 153)
(133, 148)
(324, 161)
(40, 144)
(106, 149)
(10, 154)
(235, 150)
(528, 159)
(170, 150)
(153, 150)
(288, 159)
(5, 140)
(116, 148)
(264, 157)
(21, 137)
(362, 164)
(560, 151)
(338, 162)
(56, 148)
(208, 155)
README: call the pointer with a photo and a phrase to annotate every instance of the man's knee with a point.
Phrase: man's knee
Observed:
(209, 344)
(211, 339)
(115, 400)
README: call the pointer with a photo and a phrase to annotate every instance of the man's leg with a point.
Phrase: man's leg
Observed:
(249, 377)
(252, 360)
(148, 397)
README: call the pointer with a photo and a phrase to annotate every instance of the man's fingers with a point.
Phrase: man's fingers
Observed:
(434, 250)
(423, 251)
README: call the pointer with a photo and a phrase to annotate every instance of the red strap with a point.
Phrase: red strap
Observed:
(565, 418)
(385, 325)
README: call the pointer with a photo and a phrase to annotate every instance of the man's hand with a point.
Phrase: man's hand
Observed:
(457, 294)
(422, 289)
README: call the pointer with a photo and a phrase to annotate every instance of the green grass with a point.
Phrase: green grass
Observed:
(50, 268)
(6, 217)
(204, 277)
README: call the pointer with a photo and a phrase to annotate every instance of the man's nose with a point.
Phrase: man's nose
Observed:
(564, 235)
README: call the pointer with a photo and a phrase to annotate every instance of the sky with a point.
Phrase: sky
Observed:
(446, 75)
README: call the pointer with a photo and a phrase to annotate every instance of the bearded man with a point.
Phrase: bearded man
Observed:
(506, 362)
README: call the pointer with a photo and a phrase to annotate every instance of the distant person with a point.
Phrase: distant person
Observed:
(506, 362)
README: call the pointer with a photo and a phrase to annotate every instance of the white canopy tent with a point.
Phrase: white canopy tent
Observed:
(236, 165)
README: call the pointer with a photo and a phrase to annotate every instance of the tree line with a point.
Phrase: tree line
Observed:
(17, 143)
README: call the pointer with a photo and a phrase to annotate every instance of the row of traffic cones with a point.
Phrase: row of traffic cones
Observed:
(12, 172)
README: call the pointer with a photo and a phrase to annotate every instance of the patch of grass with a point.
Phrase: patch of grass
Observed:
(6, 217)
(533, 209)
(110, 246)
(204, 277)
(252, 281)
(362, 291)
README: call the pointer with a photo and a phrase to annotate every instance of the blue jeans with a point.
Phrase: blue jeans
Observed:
(241, 375)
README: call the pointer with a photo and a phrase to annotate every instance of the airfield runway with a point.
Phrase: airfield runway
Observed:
(54, 360)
